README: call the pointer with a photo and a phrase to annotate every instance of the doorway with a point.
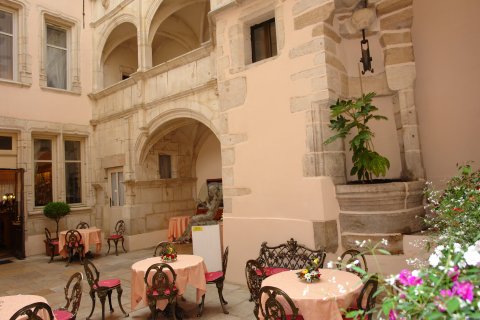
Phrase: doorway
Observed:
(12, 232)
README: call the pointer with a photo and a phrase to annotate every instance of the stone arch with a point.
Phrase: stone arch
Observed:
(111, 26)
(157, 126)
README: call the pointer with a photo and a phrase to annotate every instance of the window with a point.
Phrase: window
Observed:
(125, 76)
(7, 45)
(73, 171)
(165, 164)
(43, 162)
(57, 56)
(264, 40)
(6, 143)
(118, 190)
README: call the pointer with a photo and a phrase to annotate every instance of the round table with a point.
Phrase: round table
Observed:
(177, 226)
(190, 269)
(11, 304)
(321, 299)
(90, 237)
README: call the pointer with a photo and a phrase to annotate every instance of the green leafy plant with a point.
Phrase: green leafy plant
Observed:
(352, 116)
(56, 210)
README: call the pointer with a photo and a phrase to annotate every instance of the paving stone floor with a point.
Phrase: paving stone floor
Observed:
(36, 276)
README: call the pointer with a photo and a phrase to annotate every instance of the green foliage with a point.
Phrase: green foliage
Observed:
(350, 116)
(56, 210)
(455, 211)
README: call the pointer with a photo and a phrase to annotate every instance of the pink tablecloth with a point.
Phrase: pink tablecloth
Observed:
(319, 300)
(190, 269)
(90, 236)
(176, 227)
(11, 304)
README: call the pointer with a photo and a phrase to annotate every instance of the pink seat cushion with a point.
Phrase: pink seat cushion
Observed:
(269, 271)
(166, 292)
(54, 242)
(212, 276)
(115, 236)
(110, 283)
(299, 317)
(62, 315)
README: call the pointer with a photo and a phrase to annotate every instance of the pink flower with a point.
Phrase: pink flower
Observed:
(446, 293)
(464, 290)
(392, 315)
(454, 274)
(406, 278)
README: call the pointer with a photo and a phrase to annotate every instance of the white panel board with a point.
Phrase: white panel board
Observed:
(206, 243)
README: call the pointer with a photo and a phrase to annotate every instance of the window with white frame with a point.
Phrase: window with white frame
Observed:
(43, 171)
(7, 44)
(57, 54)
(73, 171)
(117, 189)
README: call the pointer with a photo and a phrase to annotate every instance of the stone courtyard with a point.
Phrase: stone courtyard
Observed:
(35, 276)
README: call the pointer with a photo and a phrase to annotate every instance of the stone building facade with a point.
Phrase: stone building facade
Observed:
(160, 95)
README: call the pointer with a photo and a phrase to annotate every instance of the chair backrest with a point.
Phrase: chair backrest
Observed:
(289, 255)
(352, 258)
(48, 235)
(162, 281)
(120, 227)
(366, 298)
(91, 273)
(254, 278)
(73, 293)
(271, 308)
(31, 312)
(225, 261)
(72, 238)
(163, 248)
(82, 225)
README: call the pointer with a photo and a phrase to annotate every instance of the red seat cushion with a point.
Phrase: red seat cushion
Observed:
(109, 283)
(269, 271)
(166, 292)
(54, 242)
(299, 317)
(212, 276)
(115, 236)
(62, 315)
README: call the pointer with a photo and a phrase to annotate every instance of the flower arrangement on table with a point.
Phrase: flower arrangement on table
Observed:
(170, 254)
(311, 273)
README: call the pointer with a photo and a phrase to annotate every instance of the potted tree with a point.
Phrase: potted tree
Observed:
(55, 211)
(372, 208)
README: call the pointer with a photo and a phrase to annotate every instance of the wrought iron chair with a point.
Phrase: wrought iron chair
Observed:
(82, 225)
(73, 296)
(117, 236)
(52, 244)
(366, 298)
(161, 286)
(102, 288)
(30, 312)
(73, 244)
(352, 258)
(217, 277)
(271, 307)
(162, 248)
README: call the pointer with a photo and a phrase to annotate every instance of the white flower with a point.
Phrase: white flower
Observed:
(462, 264)
(391, 280)
(330, 264)
(477, 245)
(415, 273)
(438, 251)
(434, 260)
(307, 276)
(472, 257)
(457, 247)
(385, 242)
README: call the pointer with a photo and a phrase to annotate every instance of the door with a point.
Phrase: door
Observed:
(116, 194)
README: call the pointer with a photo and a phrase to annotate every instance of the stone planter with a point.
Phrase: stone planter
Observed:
(380, 211)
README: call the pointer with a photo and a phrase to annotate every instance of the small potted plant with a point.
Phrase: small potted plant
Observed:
(170, 254)
(311, 273)
(55, 211)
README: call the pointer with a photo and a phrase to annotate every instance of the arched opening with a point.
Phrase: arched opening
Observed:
(175, 163)
(120, 54)
(177, 28)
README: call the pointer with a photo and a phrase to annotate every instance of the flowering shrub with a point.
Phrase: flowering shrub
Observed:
(456, 211)
(311, 272)
(449, 288)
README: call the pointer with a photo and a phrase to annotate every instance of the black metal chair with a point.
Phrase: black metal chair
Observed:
(52, 244)
(163, 248)
(30, 312)
(217, 277)
(272, 309)
(352, 258)
(254, 276)
(74, 245)
(73, 296)
(102, 288)
(160, 286)
(82, 225)
(117, 236)
(366, 298)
